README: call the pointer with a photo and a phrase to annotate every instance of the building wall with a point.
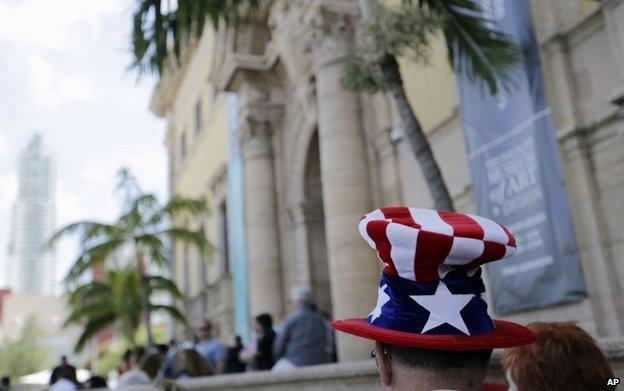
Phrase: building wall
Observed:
(316, 157)
(573, 36)
(197, 147)
(49, 314)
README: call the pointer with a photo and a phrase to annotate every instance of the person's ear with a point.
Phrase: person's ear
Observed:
(385, 365)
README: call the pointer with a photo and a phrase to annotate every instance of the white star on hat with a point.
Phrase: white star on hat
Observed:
(443, 307)
(382, 299)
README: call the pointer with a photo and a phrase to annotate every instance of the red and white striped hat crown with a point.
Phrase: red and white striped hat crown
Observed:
(423, 245)
(430, 295)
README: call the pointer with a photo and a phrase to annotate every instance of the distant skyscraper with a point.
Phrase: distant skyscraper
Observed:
(31, 266)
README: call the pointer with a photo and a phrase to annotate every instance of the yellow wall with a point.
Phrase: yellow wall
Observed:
(430, 88)
(206, 151)
(589, 5)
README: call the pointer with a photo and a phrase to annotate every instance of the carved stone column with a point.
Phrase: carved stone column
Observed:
(301, 268)
(265, 282)
(599, 270)
(389, 174)
(311, 254)
(344, 175)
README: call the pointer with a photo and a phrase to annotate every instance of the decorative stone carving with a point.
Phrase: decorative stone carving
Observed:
(344, 173)
(333, 24)
(255, 131)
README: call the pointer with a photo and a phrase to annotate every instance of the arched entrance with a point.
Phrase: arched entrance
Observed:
(315, 227)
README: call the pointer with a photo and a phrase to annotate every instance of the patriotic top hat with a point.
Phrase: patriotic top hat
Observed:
(431, 295)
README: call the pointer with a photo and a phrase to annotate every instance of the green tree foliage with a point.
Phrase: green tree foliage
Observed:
(474, 45)
(400, 32)
(475, 48)
(116, 302)
(145, 229)
(159, 31)
(110, 356)
(25, 355)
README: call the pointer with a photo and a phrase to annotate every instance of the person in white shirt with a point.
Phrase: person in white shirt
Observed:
(142, 374)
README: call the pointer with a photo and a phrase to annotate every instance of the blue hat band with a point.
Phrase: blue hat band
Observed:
(452, 306)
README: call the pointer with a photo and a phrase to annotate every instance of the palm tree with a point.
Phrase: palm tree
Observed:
(160, 31)
(116, 301)
(145, 228)
(475, 47)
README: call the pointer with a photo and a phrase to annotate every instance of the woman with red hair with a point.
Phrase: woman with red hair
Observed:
(564, 357)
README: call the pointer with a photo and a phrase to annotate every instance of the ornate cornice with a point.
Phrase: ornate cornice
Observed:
(256, 129)
(166, 89)
(245, 51)
(333, 23)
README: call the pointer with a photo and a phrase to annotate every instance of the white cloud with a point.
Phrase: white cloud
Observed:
(58, 25)
(69, 207)
(142, 163)
(51, 88)
(56, 53)
(8, 190)
(100, 171)
(4, 144)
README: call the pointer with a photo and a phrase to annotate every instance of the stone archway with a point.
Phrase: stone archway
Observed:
(315, 227)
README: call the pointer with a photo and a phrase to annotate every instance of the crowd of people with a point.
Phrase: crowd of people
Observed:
(563, 357)
(304, 337)
(456, 356)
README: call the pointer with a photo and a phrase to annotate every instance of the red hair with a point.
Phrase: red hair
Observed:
(564, 357)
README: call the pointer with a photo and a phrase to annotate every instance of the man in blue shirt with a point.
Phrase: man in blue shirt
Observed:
(211, 348)
(302, 337)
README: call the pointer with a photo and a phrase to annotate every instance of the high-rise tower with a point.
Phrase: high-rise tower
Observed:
(31, 265)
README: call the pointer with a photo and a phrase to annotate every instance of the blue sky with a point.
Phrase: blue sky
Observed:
(63, 74)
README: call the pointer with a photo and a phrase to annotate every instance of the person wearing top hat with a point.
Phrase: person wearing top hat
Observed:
(430, 325)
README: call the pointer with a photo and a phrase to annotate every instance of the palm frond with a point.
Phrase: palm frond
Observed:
(153, 246)
(148, 241)
(91, 329)
(173, 311)
(194, 238)
(87, 229)
(158, 35)
(475, 46)
(183, 207)
(163, 284)
(158, 257)
(89, 310)
(89, 290)
(93, 256)
(136, 211)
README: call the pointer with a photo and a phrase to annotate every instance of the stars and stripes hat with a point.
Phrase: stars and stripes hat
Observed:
(431, 294)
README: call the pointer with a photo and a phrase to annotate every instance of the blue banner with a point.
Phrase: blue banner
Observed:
(236, 224)
(517, 176)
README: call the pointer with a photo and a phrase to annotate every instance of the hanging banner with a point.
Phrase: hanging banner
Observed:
(237, 252)
(517, 176)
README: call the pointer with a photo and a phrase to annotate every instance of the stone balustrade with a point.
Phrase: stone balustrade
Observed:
(360, 375)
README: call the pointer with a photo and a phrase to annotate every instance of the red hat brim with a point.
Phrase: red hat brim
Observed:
(505, 334)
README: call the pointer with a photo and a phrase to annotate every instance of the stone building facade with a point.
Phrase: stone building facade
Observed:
(316, 157)
(196, 139)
